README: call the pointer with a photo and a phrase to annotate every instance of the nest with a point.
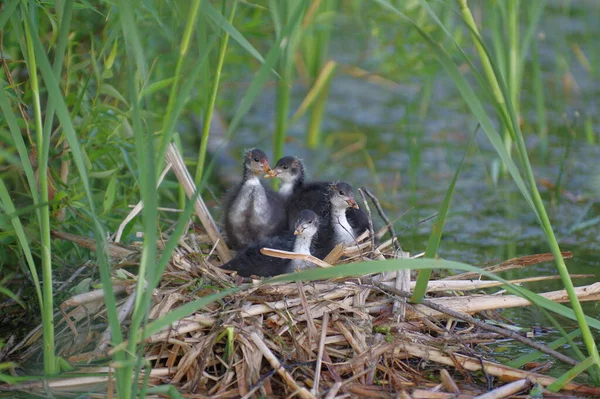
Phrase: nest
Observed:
(348, 337)
(336, 338)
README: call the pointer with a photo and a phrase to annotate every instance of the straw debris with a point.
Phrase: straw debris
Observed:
(328, 339)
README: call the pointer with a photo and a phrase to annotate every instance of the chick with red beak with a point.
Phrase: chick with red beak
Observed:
(253, 211)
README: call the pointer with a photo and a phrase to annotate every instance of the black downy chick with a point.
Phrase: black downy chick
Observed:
(299, 194)
(251, 262)
(337, 229)
(253, 211)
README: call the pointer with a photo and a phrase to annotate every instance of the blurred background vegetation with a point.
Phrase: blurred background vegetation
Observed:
(345, 84)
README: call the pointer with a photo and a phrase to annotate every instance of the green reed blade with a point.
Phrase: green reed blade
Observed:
(540, 100)
(436, 233)
(7, 11)
(226, 25)
(532, 356)
(570, 375)
(9, 209)
(42, 145)
(212, 99)
(318, 89)
(472, 101)
(62, 113)
(19, 143)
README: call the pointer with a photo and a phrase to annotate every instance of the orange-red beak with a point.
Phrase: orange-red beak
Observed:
(271, 174)
(266, 167)
(352, 203)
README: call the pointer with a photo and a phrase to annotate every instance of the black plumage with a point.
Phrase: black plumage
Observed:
(251, 210)
(250, 261)
(336, 227)
(299, 194)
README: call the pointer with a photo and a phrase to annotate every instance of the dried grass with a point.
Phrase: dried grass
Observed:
(327, 339)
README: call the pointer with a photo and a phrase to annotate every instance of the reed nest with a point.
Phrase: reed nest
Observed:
(338, 338)
(350, 337)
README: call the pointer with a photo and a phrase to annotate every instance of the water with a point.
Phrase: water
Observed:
(414, 159)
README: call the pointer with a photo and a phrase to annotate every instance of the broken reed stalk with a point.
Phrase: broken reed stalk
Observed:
(278, 253)
(382, 214)
(485, 326)
(272, 359)
(515, 263)
(371, 231)
(507, 390)
(185, 179)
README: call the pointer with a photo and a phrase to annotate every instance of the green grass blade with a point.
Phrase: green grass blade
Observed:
(231, 30)
(259, 81)
(59, 55)
(319, 87)
(472, 102)
(570, 375)
(7, 11)
(42, 144)
(530, 357)
(132, 38)
(63, 116)
(212, 99)
(263, 73)
(436, 234)
(535, 11)
(19, 143)
(9, 208)
(145, 155)
(169, 120)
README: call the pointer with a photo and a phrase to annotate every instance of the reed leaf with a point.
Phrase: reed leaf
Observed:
(212, 99)
(571, 374)
(9, 208)
(532, 356)
(436, 233)
(42, 144)
(8, 9)
(68, 131)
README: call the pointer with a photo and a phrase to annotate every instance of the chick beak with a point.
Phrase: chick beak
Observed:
(266, 167)
(299, 230)
(271, 173)
(352, 203)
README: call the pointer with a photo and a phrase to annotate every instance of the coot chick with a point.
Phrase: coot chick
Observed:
(299, 194)
(337, 229)
(251, 262)
(253, 211)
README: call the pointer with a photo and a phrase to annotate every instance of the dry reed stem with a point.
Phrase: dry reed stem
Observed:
(507, 390)
(278, 253)
(114, 250)
(139, 206)
(325, 323)
(401, 283)
(515, 263)
(185, 179)
(475, 304)
(505, 373)
(272, 359)
(448, 382)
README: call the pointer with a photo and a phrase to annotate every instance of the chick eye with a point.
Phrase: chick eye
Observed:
(256, 159)
(285, 166)
(310, 222)
(341, 193)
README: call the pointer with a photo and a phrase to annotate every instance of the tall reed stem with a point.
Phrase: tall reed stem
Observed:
(212, 99)
(537, 199)
(44, 209)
